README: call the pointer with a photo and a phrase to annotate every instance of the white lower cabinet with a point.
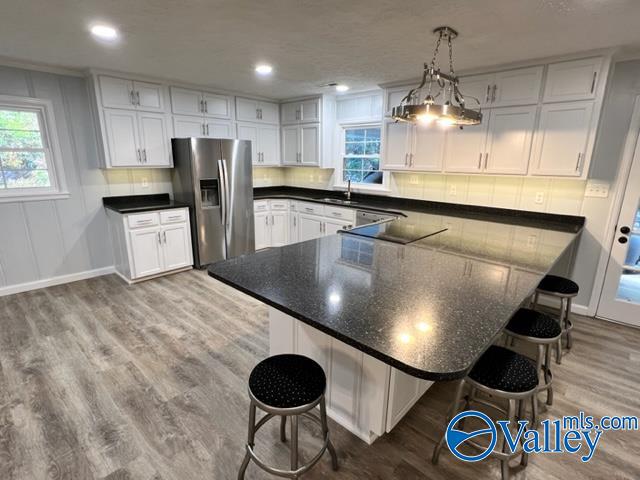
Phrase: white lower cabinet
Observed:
(271, 221)
(310, 227)
(151, 243)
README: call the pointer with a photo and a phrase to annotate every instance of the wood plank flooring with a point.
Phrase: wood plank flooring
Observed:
(100, 380)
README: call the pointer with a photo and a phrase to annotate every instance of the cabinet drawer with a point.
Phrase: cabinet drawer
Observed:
(279, 204)
(313, 208)
(173, 216)
(260, 206)
(341, 213)
(142, 220)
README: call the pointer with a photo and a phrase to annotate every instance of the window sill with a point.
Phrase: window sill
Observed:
(34, 197)
(382, 189)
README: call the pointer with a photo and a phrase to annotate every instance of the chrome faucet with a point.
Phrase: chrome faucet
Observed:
(348, 192)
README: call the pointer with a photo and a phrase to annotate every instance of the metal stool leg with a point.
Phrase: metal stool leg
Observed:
(566, 324)
(450, 414)
(535, 300)
(250, 440)
(325, 433)
(534, 411)
(283, 427)
(547, 373)
(294, 442)
(504, 464)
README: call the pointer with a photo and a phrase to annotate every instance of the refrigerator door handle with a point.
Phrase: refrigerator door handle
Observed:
(223, 192)
(226, 192)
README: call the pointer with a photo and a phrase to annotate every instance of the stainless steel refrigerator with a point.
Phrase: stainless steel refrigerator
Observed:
(214, 177)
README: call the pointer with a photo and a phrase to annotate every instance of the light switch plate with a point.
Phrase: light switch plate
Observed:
(597, 189)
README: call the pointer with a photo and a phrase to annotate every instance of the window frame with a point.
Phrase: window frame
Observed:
(339, 182)
(51, 147)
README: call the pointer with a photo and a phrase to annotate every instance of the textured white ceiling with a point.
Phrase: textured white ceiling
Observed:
(310, 42)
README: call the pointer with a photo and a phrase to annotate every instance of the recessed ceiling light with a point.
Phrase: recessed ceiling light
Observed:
(264, 69)
(342, 88)
(104, 32)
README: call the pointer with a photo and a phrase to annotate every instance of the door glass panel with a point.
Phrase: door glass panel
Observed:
(629, 287)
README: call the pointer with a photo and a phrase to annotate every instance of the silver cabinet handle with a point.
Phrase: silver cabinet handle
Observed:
(297, 114)
(201, 106)
(139, 156)
(593, 82)
(132, 97)
(578, 162)
(486, 97)
(137, 98)
(486, 160)
(493, 93)
(411, 159)
(480, 161)
(406, 159)
(272, 220)
(266, 220)
(294, 222)
(159, 239)
(164, 237)
(206, 107)
(308, 209)
(336, 214)
(144, 155)
(207, 129)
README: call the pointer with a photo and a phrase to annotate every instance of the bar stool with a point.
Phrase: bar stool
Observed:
(542, 330)
(565, 290)
(500, 373)
(287, 386)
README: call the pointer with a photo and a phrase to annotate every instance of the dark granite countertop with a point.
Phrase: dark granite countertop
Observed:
(429, 308)
(141, 203)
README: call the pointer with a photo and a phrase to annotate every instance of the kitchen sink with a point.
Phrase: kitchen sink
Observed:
(338, 201)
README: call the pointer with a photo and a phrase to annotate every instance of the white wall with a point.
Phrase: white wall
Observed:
(41, 240)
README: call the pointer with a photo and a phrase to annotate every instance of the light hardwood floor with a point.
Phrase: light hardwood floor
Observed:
(100, 380)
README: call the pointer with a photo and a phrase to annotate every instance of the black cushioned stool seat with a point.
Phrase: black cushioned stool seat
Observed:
(502, 369)
(287, 381)
(531, 323)
(561, 285)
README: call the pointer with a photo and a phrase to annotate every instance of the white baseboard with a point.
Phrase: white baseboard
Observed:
(49, 282)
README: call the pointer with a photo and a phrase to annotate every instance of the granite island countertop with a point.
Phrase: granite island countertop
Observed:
(429, 308)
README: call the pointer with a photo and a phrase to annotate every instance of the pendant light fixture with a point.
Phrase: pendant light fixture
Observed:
(438, 97)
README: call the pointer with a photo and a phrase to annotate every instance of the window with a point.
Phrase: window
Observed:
(28, 149)
(361, 157)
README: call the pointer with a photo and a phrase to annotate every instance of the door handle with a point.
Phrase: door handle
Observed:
(206, 107)
(202, 106)
(132, 97)
(480, 161)
(593, 82)
(486, 160)
(159, 239)
(266, 220)
(139, 156)
(493, 93)
(486, 97)
(138, 98)
(164, 237)
(207, 129)
(294, 221)
(144, 154)
(578, 161)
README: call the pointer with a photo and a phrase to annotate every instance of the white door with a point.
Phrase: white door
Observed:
(517, 87)
(620, 299)
(154, 140)
(310, 110)
(262, 230)
(217, 105)
(268, 145)
(146, 251)
(290, 112)
(477, 87)
(428, 148)
(246, 109)
(149, 96)
(464, 149)
(310, 144)
(186, 102)
(219, 128)
(176, 246)
(184, 127)
(269, 112)
(279, 228)
(331, 227)
(116, 92)
(560, 141)
(250, 132)
(509, 140)
(395, 144)
(309, 227)
(122, 137)
(290, 145)
(573, 80)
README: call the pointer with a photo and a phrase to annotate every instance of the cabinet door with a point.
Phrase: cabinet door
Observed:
(219, 128)
(176, 248)
(509, 140)
(310, 110)
(309, 227)
(561, 139)
(116, 92)
(145, 252)
(269, 112)
(149, 96)
(250, 132)
(393, 97)
(184, 127)
(154, 140)
(479, 87)
(396, 147)
(262, 230)
(517, 87)
(246, 109)
(186, 102)
(332, 226)
(464, 148)
(279, 228)
(290, 112)
(290, 145)
(428, 148)
(268, 145)
(574, 80)
(310, 147)
(122, 137)
(218, 106)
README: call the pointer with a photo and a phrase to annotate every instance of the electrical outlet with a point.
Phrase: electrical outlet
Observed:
(453, 191)
(145, 182)
(413, 180)
(597, 189)
(531, 241)
(539, 197)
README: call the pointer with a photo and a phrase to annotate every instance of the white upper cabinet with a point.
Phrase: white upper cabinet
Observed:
(517, 87)
(153, 140)
(301, 145)
(130, 94)
(393, 97)
(202, 127)
(215, 128)
(251, 110)
(427, 148)
(396, 145)
(359, 108)
(464, 149)
(301, 111)
(573, 80)
(508, 145)
(185, 101)
(560, 144)
(291, 145)
(264, 142)
(477, 87)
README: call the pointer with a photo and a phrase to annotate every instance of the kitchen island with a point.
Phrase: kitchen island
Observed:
(385, 319)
